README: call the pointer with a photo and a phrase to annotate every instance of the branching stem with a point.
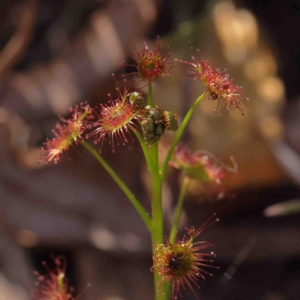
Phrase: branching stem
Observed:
(178, 135)
(137, 205)
(178, 209)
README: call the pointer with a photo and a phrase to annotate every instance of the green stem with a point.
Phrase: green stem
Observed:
(145, 149)
(137, 205)
(178, 209)
(156, 201)
(157, 224)
(150, 101)
(157, 209)
(179, 134)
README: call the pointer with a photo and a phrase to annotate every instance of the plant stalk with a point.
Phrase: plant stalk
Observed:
(178, 135)
(137, 205)
(178, 209)
(150, 99)
(157, 225)
(156, 201)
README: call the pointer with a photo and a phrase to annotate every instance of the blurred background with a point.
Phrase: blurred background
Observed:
(56, 54)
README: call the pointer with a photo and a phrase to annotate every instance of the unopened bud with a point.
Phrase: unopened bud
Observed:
(137, 100)
(170, 120)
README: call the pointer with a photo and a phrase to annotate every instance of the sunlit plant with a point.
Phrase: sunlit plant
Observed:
(177, 263)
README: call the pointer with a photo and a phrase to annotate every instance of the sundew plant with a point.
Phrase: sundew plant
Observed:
(178, 262)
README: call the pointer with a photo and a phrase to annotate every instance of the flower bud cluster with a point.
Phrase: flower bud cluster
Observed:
(155, 122)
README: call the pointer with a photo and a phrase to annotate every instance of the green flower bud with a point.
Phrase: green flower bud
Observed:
(156, 114)
(148, 126)
(170, 120)
(137, 100)
(159, 129)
